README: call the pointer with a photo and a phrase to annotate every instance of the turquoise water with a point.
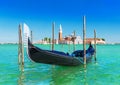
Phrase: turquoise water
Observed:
(105, 72)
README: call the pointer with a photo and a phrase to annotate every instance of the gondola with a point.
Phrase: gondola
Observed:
(39, 55)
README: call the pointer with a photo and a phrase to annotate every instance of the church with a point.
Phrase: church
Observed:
(71, 39)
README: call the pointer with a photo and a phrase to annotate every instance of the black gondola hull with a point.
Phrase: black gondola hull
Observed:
(50, 57)
(43, 56)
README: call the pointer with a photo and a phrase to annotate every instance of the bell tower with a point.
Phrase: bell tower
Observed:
(60, 33)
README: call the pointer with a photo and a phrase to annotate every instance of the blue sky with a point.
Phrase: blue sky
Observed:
(102, 15)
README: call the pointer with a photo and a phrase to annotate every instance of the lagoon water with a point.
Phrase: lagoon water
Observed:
(105, 72)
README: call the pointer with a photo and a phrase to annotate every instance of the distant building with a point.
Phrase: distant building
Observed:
(78, 40)
(71, 39)
(68, 39)
(98, 41)
(41, 42)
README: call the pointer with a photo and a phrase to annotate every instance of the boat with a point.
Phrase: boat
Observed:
(54, 57)
(39, 55)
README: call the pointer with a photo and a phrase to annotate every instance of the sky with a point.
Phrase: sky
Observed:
(101, 15)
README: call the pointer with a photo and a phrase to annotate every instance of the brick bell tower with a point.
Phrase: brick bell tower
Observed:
(60, 33)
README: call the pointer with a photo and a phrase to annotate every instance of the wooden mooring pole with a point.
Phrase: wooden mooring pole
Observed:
(74, 37)
(53, 26)
(19, 44)
(69, 47)
(62, 47)
(20, 47)
(84, 38)
(95, 44)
